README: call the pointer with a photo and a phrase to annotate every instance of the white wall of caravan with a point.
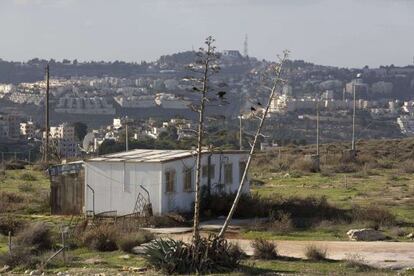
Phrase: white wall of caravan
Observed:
(117, 185)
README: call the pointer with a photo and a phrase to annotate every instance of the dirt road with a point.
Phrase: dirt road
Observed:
(394, 255)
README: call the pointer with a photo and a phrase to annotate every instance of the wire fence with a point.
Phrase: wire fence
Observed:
(29, 156)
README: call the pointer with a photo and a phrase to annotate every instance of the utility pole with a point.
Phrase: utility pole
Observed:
(317, 126)
(353, 119)
(46, 145)
(126, 133)
(240, 132)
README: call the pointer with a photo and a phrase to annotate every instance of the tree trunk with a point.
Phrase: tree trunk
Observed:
(196, 232)
(276, 82)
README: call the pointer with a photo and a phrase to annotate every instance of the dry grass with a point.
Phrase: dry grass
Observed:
(314, 253)
(263, 249)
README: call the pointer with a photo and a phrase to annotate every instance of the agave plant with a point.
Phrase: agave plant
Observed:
(208, 255)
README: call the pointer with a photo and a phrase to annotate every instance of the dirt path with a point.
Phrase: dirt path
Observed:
(394, 255)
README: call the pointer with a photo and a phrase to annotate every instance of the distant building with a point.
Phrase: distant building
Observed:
(328, 94)
(28, 129)
(361, 88)
(231, 54)
(406, 124)
(382, 88)
(64, 140)
(9, 126)
(84, 105)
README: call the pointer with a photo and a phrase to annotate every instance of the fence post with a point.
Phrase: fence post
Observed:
(64, 230)
(10, 243)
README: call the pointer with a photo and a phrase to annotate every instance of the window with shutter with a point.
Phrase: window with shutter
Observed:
(170, 181)
(228, 173)
(188, 180)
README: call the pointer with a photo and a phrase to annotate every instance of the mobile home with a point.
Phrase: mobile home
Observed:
(165, 178)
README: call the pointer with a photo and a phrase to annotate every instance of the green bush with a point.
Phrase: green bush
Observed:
(314, 253)
(209, 255)
(263, 249)
(129, 241)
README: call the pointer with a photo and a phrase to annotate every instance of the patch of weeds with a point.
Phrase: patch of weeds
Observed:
(314, 253)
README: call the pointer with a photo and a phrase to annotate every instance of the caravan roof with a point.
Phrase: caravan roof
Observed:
(151, 155)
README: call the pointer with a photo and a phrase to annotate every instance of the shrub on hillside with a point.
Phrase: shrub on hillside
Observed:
(210, 255)
(15, 165)
(345, 168)
(20, 256)
(280, 223)
(10, 201)
(357, 262)
(129, 241)
(407, 166)
(28, 177)
(102, 237)
(250, 206)
(9, 223)
(263, 249)
(303, 165)
(37, 236)
(375, 215)
(314, 253)
(26, 187)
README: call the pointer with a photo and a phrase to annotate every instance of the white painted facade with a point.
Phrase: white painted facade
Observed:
(116, 179)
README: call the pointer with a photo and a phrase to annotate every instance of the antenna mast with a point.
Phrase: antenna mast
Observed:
(246, 46)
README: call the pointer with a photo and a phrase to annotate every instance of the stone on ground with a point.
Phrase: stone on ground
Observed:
(365, 234)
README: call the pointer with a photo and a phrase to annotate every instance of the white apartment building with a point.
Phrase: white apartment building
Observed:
(64, 139)
(27, 129)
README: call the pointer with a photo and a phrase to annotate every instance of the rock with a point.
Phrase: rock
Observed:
(26, 271)
(138, 269)
(365, 234)
(34, 272)
(5, 269)
(140, 250)
(410, 236)
(125, 257)
(94, 261)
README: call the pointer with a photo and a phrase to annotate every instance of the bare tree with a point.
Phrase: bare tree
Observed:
(205, 66)
(276, 82)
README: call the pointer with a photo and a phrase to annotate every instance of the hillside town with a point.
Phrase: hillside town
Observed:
(164, 94)
(206, 137)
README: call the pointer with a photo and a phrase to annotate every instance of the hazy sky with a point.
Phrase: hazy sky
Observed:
(347, 33)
